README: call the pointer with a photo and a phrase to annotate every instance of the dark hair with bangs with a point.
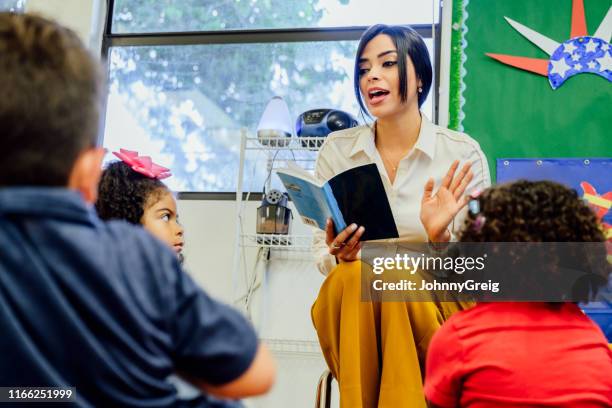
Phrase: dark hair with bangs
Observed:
(408, 44)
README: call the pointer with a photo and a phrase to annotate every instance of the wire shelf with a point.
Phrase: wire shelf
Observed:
(300, 255)
(294, 347)
(284, 143)
(306, 163)
(278, 241)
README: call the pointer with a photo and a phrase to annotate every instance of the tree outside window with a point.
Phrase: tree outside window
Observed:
(185, 104)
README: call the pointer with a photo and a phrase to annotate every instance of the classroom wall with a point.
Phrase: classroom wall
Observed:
(281, 309)
(86, 17)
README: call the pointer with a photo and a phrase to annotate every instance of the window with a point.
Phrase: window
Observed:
(15, 6)
(183, 97)
(147, 16)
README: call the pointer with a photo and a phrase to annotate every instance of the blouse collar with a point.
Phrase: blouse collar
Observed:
(426, 142)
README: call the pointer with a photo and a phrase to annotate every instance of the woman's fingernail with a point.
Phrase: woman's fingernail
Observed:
(361, 229)
(353, 227)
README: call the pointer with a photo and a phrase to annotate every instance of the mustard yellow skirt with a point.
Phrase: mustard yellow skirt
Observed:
(375, 350)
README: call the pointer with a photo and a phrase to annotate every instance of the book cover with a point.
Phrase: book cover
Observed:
(355, 196)
(314, 201)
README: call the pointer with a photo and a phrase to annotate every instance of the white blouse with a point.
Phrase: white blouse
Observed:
(434, 151)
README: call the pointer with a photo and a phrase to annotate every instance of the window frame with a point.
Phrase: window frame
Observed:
(239, 36)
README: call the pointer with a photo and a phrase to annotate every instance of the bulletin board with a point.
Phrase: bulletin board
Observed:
(590, 177)
(592, 180)
(516, 112)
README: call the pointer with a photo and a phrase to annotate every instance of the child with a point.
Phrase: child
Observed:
(509, 354)
(103, 308)
(132, 190)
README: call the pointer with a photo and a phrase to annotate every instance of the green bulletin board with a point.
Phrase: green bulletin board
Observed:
(515, 113)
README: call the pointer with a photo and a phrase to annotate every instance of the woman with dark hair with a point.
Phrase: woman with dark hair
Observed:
(393, 77)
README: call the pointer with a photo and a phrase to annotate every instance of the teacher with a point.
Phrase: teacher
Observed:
(377, 350)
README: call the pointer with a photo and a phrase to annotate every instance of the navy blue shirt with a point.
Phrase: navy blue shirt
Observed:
(104, 307)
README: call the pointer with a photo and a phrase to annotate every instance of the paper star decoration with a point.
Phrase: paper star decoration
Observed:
(601, 204)
(580, 54)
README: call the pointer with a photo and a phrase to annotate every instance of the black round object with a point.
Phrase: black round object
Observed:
(338, 120)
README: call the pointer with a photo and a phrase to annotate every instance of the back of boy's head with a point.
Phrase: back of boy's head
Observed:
(532, 211)
(123, 193)
(50, 107)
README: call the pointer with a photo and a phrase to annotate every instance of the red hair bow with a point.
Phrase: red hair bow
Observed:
(142, 164)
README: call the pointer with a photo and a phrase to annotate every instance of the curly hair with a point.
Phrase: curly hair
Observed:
(541, 211)
(532, 211)
(124, 194)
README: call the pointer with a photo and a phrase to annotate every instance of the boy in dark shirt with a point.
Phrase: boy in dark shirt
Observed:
(102, 307)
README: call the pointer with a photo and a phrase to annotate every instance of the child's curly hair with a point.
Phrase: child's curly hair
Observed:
(532, 211)
(540, 211)
(124, 194)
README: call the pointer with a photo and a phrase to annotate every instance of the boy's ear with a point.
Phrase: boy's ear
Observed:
(86, 172)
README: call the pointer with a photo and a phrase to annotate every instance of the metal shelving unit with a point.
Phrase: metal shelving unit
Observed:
(277, 241)
(288, 347)
(283, 143)
(301, 151)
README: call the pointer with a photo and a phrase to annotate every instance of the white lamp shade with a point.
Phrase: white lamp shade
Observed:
(276, 119)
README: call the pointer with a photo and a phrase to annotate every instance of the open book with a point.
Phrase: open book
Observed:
(355, 196)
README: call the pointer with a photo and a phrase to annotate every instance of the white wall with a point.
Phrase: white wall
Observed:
(83, 16)
(281, 305)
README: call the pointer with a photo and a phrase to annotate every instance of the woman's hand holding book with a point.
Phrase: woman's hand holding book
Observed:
(346, 245)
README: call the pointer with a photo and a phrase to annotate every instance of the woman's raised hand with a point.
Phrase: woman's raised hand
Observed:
(438, 210)
(345, 246)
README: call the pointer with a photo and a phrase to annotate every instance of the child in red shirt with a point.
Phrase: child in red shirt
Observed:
(522, 354)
